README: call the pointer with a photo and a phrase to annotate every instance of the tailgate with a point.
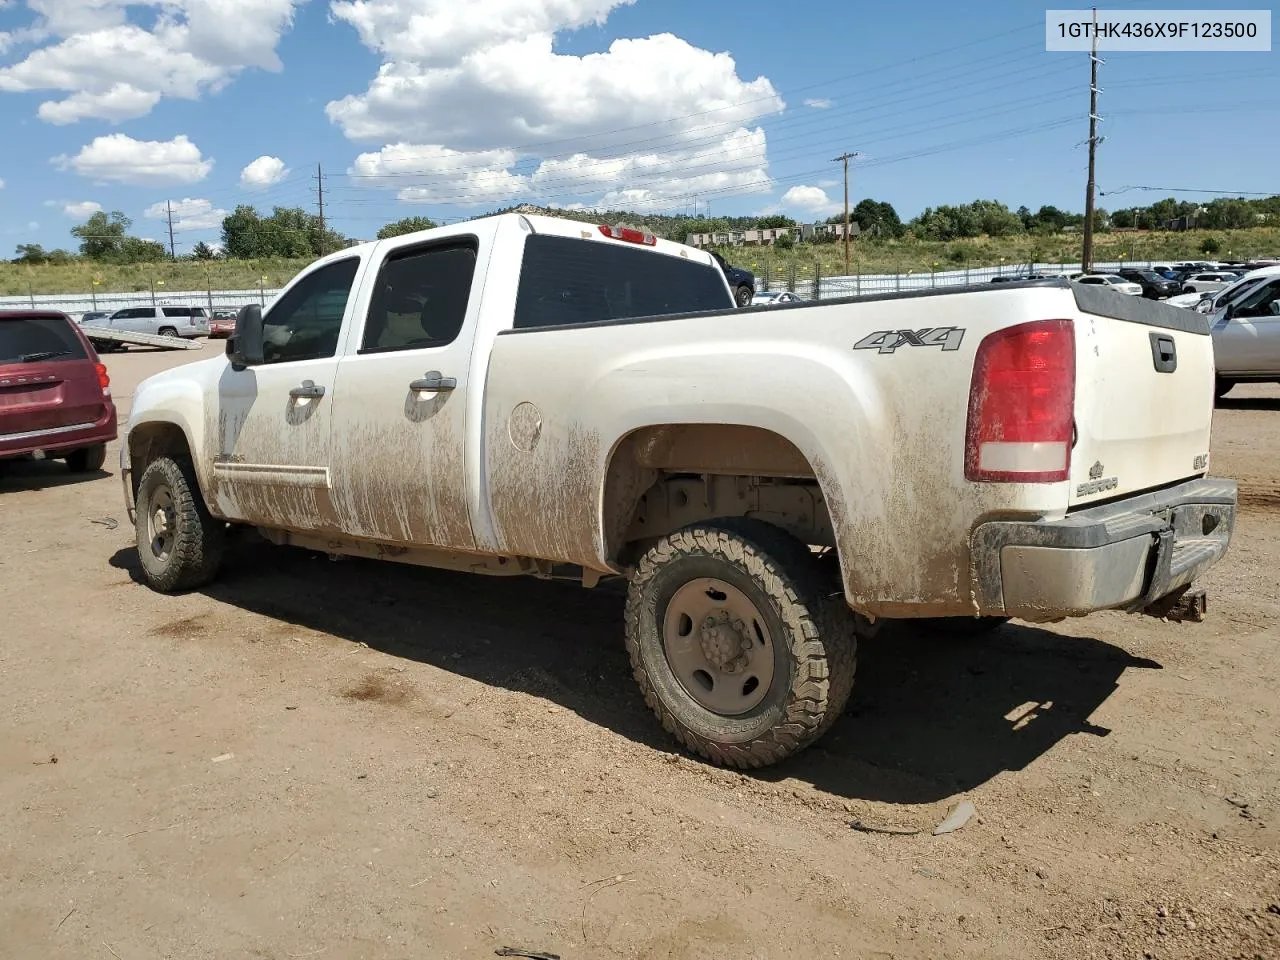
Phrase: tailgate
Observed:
(1144, 395)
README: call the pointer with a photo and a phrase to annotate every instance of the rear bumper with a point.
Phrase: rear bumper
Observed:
(56, 441)
(1125, 555)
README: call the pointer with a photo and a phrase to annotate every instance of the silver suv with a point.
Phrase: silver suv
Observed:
(188, 322)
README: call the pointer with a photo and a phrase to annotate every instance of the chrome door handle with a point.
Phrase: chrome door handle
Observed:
(433, 381)
(307, 389)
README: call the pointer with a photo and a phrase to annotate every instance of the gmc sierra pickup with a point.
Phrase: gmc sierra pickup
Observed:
(526, 395)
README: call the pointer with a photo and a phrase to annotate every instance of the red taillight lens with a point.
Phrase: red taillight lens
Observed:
(104, 380)
(1021, 404)
(629, 235)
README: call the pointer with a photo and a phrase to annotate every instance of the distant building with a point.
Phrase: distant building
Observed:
(768, 236)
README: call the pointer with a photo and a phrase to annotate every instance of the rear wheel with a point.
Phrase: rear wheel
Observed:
(168, 331)
(743, 295)
(736, 644)
(180, 544)
(87, 459)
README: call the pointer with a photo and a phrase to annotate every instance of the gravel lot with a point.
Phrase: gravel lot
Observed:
(351, 759)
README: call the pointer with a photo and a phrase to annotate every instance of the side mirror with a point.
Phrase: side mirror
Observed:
(245, 348)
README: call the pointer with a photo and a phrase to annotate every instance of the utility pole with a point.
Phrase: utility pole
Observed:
(168, 209)
(320, 200)
(1086, 256)
(845, 158)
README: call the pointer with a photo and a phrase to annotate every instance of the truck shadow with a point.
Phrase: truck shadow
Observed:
(41, 475)
(930, 717)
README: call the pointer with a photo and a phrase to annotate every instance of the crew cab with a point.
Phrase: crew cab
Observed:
(522, 395)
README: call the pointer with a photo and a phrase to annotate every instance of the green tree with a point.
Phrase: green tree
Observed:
(102, 235)
(774, 220)
(59, 257)
(288, 232)
(784, 242)
(874, 216)
(31, 253)
(202, 251)
(1210, 245)
(135, 250)
(406, 225)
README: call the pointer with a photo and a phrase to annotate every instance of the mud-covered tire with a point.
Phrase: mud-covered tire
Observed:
(743, 296)
(87, 459)
(813, 641)
(197, 539)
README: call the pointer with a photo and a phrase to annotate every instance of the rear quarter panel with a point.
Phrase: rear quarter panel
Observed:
(883, 431)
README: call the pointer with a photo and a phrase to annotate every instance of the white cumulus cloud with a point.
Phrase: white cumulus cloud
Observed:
(809, 200)
(188, 214)
(115, 59)
(263, 172)
(477, 93)
(82, 209)
(119, 158)
(121, 101)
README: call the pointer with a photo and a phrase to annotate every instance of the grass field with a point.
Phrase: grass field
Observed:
(867, 256)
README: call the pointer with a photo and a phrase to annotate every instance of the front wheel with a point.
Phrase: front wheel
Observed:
(743, 295)
(735, 643)
(180, 543)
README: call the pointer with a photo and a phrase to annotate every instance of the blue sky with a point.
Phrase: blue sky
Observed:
(449, 109)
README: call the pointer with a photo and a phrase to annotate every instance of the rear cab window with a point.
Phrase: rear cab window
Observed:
(39, 339)
(566, 281)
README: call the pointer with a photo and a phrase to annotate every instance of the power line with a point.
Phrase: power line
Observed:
(844, 158)
(1086, 256)
(168, 210)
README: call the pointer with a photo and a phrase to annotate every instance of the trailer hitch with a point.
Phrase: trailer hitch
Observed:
(1187, 605)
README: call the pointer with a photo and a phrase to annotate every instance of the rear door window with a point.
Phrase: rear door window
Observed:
(177, 311)
(37, 339)
(566, 281)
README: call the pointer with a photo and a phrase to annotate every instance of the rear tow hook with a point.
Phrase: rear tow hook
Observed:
(1182, 606)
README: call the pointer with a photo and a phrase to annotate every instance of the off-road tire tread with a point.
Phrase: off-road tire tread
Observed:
(201, 540)
(821, 628)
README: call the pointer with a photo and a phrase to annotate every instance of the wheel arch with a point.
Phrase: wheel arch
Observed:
(728, 460)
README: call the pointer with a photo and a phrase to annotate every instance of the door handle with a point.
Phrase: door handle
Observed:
(1164, 353)
(433, 381)
(308, 390)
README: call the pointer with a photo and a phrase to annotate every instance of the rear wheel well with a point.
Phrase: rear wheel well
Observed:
(149, 442)
(663, 478)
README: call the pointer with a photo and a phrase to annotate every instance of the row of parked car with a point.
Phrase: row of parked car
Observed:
(165, 321)
(1160, 282)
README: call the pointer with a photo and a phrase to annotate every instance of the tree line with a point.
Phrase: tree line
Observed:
(295, 233)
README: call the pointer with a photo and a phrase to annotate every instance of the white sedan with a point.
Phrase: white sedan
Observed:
(1118, 284)
(770, 298)
(1207, 282)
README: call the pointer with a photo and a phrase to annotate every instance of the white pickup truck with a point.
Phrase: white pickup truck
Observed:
(527, 395)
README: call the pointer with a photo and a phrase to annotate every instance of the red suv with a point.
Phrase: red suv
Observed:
(55, 397)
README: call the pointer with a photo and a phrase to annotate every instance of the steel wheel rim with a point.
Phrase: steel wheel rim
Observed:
(162, 522)
(719, 646)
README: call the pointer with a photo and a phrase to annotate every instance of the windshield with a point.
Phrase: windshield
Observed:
(35, 339)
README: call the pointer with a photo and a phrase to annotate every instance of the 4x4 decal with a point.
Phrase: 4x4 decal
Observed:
(887, 341)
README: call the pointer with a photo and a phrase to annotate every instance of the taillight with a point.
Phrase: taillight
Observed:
(104, 381)
(629, 235)
(1021, 404)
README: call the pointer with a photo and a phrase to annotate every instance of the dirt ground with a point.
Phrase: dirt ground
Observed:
(348, 759)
